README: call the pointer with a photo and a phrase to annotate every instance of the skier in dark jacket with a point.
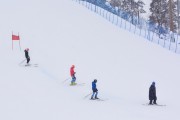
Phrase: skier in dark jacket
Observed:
(152, 94)
(94, 89)
(27, 55)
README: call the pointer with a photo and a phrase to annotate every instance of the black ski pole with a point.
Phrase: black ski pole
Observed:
(65, 80)
(22, 62)
(87, 95)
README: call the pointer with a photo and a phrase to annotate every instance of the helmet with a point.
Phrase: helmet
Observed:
(27, 49)
(95, 80)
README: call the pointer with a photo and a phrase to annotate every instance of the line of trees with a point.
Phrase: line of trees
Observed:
(164, 14)
(132, 7)
(127, 9)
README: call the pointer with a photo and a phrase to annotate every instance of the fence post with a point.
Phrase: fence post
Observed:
(91, 6)
(95, 8)
(125, 24)
(140, 31)
(121, 19)
(164, 43)
(159, 39)
(170, 45)
(149, 34)
(106, 14)
(145, 31)
(117, 19)
(113, 18)
(87, 5)
(176, 43)
(153, 36)
(98, 10)
(121, 22)
(130, 27)
(110, 16)
(103, 12)
(135, 29)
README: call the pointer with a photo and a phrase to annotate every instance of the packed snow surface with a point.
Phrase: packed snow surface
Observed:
(60, 33)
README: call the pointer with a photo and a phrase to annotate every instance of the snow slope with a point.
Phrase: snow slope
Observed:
(62, 33)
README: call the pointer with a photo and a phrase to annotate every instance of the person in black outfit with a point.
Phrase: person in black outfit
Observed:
(27, 55)
(152, 94)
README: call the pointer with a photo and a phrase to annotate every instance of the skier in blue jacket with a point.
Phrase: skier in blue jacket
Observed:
(94, 89)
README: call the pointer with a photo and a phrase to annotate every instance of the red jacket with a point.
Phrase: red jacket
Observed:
(72, 71)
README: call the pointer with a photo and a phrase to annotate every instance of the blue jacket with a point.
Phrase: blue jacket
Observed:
(94, 85)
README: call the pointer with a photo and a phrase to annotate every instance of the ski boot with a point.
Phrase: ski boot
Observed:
(96, 98)
(73, 83)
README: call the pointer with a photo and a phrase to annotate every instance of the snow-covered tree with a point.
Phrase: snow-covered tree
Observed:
(178, 13)
(172, 15)
(140, 7)
(131, 7)
(164, 14)
(158, 9)
(116, 3)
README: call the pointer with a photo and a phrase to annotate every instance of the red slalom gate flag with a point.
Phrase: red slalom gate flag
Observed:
(15, 37)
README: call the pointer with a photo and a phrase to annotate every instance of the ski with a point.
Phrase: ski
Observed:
(77, 84)
(31, 65)
(27, 65)
(154, 104)
(22, 61)
(99, 99)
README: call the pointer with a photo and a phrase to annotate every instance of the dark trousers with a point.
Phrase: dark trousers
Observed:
(154, 101)
(95, 92)
(28, 59)
(73, 79)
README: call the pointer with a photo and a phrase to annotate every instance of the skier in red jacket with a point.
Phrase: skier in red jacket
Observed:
(72, 73)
